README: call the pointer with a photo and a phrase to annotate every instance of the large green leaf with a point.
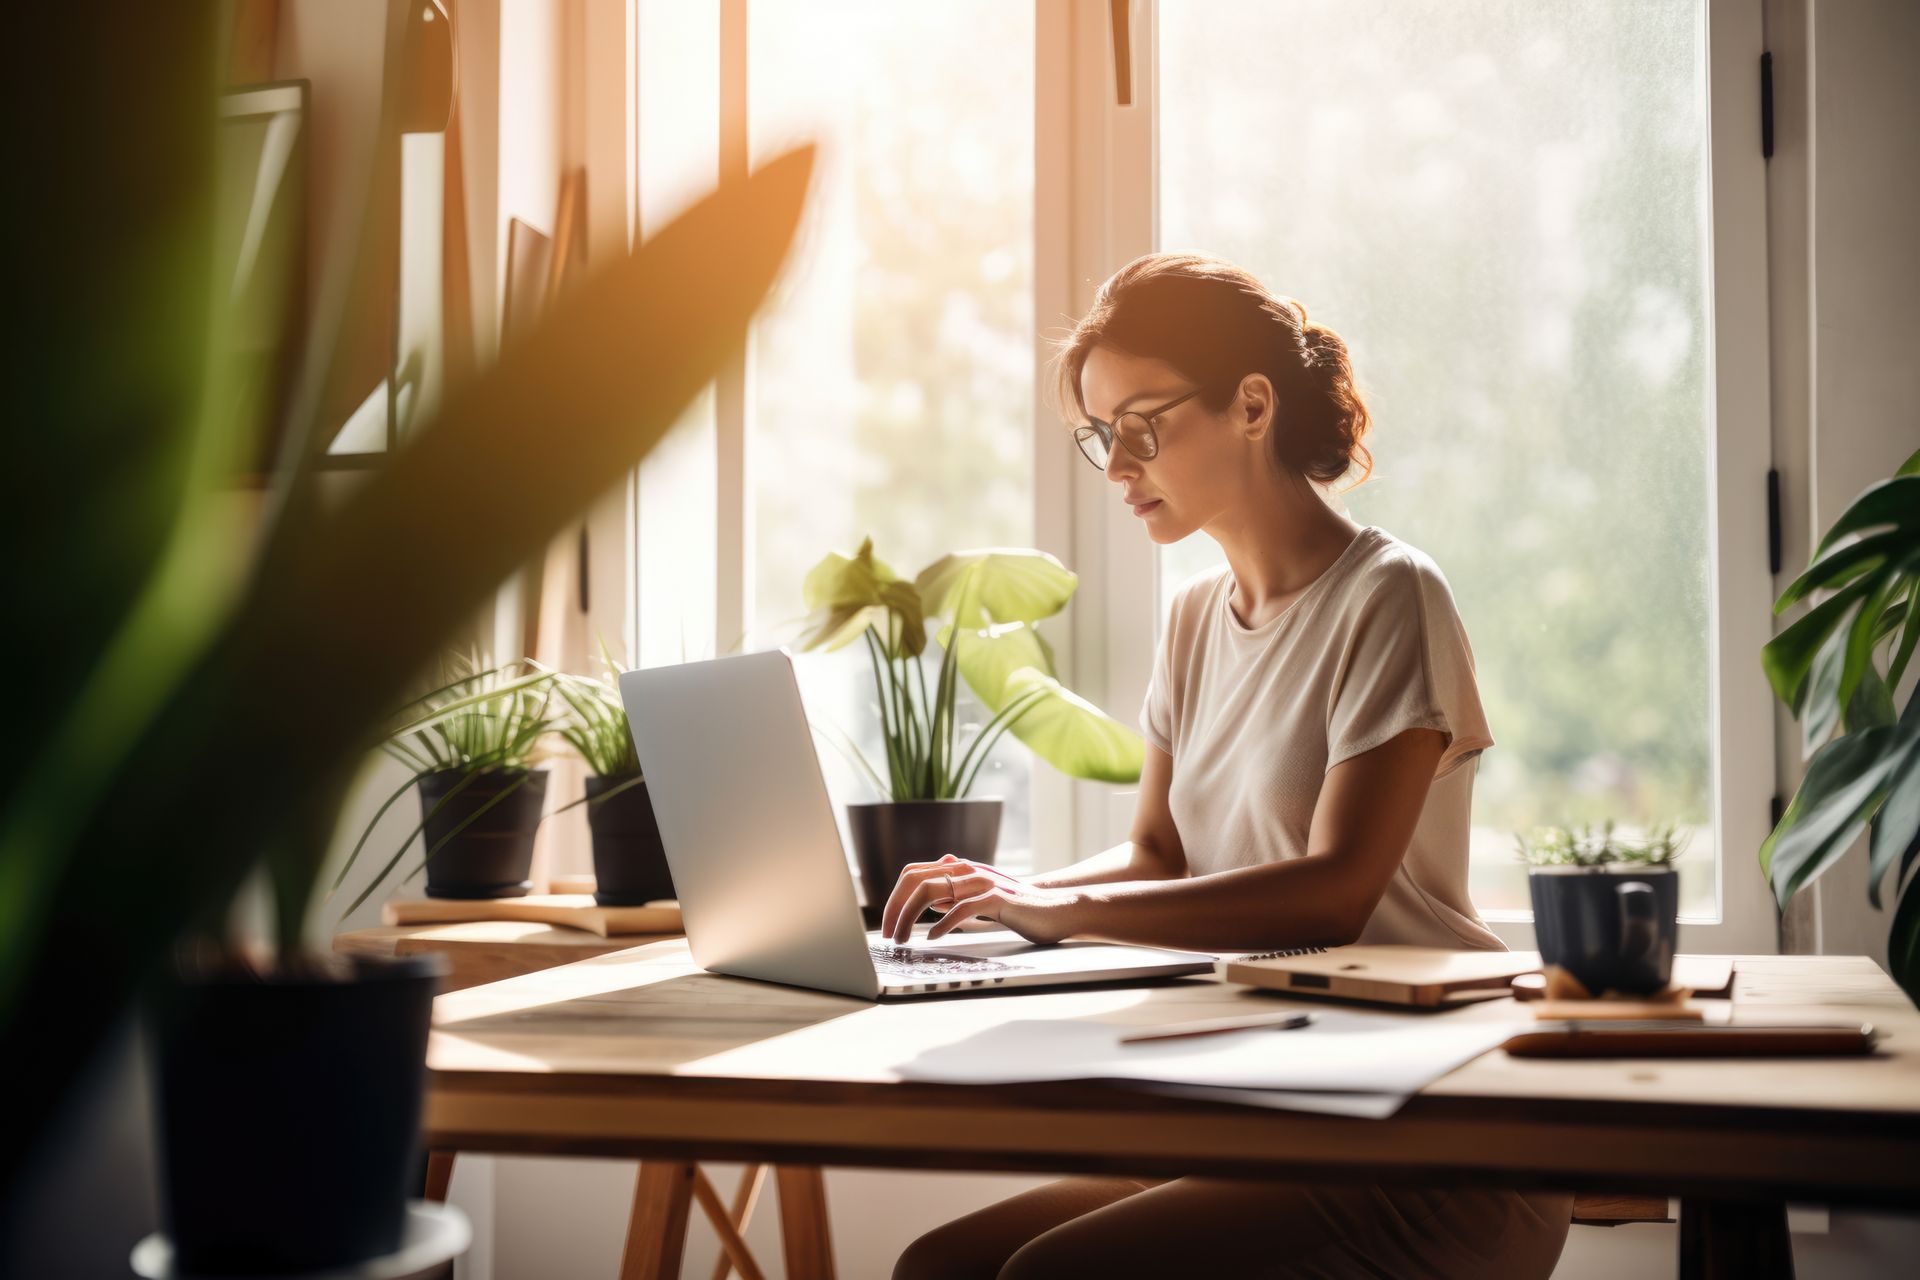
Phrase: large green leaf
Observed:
(1896, 827)
(851, 595)
(1844, 565)
(998, 584)
(1861, 638)
(1894, 502)
(1845, 783)
(1062, 728)
(1903, 943)
(1789, 656)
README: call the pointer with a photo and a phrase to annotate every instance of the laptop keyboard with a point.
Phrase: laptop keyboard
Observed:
(911, 962)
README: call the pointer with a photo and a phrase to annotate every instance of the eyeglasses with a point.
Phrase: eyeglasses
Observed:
(1134, 430)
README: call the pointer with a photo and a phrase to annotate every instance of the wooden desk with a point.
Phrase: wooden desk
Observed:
(479, 952)
(483, 951)
(639, 1053)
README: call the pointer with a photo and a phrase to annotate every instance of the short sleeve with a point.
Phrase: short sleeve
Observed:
(1159, 714)
(1406, 664)
(1156, 713)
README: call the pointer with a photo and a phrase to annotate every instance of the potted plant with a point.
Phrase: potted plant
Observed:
(266, 663)
(471, 745)
(1605, 905)
(629, 862)
(991, 601)
(1863, 766)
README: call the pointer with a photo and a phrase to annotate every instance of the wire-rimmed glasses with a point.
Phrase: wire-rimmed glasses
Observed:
(1134, 430)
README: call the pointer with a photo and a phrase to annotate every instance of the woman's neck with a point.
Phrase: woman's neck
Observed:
(1277, 544)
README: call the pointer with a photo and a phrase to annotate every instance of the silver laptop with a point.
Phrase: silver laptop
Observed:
(765, 887)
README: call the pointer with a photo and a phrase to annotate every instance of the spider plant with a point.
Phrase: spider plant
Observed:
(1863, 771)
(487, 720)
(991, 600)
(1564, 847)
(593, 721)
(595, 725)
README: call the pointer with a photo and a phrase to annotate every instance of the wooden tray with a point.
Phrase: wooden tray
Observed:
(567, 910)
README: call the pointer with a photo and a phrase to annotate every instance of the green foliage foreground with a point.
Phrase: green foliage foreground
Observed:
(189, 710)
(1864, 770)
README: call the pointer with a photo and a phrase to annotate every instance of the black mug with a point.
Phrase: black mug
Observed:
(1613, 927)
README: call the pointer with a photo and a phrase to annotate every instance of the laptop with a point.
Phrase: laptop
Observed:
(766, 890)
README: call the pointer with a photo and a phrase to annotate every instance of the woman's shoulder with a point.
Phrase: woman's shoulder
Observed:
(1194, 592)
(1392, 566)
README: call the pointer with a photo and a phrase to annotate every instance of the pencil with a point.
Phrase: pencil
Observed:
(1272, 1021)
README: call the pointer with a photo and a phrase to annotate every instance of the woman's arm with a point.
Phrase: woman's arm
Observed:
(1153, 850)
(1362, 824)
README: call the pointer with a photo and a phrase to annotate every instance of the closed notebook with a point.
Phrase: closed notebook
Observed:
(1417, 977)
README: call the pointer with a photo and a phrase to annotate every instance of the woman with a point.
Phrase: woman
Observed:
(1312, 721)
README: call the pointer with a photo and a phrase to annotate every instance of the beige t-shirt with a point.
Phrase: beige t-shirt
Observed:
(1254, 718)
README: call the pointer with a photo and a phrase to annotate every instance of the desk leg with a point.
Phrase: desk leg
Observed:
(1727, 1240)
(657, 1228)
(439, 1174)
(803, 1223)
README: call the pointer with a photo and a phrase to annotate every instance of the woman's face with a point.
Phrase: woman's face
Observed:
(1204, 459)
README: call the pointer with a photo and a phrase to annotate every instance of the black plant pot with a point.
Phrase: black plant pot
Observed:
(1613, 927)
(889, 835)
(629, 863)
(493, 856)
(289, 1114)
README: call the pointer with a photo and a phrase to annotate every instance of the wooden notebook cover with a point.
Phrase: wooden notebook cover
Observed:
(1421, 976)
(568, 910)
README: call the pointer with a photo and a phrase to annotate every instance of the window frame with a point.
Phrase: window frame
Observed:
(1113, 156)
(1095, 210)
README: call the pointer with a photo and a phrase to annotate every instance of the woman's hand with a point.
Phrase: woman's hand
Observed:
(974, 891)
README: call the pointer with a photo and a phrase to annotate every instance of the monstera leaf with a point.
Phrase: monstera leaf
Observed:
(1867, 778)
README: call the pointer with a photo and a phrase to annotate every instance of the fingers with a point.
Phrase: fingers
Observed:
(931, 891)
(912, 876)
(977, 907)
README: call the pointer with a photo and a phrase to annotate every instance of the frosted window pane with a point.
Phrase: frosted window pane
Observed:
(1502, 206)
(892, 382)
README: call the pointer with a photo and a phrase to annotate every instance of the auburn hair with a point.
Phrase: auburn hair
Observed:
(1216, 324)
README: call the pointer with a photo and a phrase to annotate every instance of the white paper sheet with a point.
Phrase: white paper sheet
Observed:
(1340, 1052)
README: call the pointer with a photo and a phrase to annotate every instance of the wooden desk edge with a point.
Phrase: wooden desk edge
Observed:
(1866, 1159)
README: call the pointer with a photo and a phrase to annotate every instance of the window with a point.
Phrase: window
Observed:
(1502, 209)
(1540, 230)
(891, 386)
(1507, 212)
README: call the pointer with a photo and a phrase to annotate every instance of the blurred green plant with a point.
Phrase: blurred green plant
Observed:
(1566, 847)
(202, 700)
(992, 600)
(1863, 770)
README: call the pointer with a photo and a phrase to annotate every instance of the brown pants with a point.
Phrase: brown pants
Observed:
(1210, 1227)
